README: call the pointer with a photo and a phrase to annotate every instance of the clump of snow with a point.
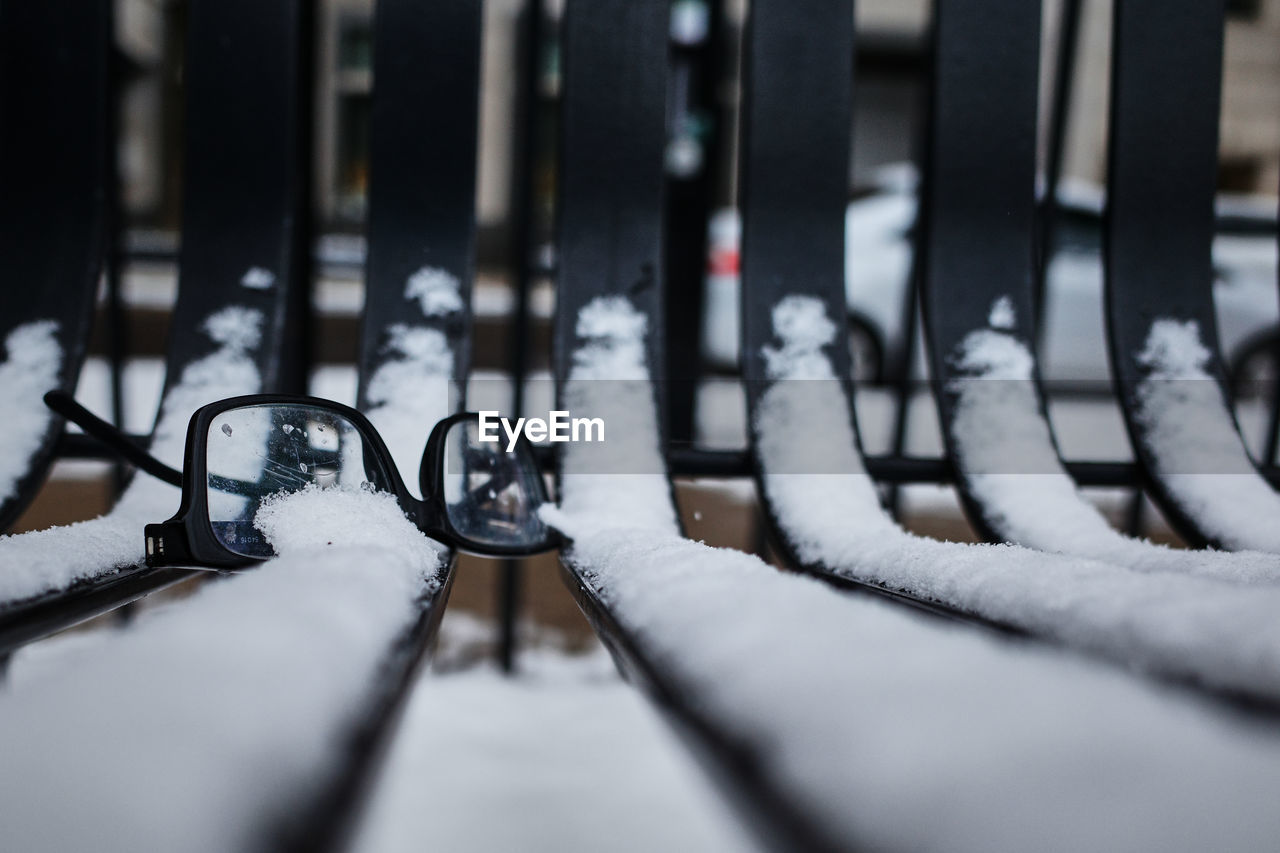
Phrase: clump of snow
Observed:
(225, 709)
(437, 291)
(564, 751)
(1006, 453)
(30, 370)
(258, 278)
(1198, 453)
(1173, 350)
(1002, 315)
(1223, 635)
(609, 380)
(410, 393)
(801, 324)
(237, 327)
(40, 561)
(317, 517)
(896, 732)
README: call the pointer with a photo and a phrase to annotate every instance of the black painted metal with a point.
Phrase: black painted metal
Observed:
(613, 133)
(36, 618)
(529, 35)
(247, 179)
(117, 331)
(245, 205)
(1271, 443)
(422, 167)
(978, 227)
(795, 143)
(690, 462)
(782, 95)
(421, 213)
(1060, 104)
(1161, 181)
(694, 83)
(903, 377)
(797, 104)
(54, 137)
(610, 239)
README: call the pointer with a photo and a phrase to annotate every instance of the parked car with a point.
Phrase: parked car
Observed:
(1073, 348)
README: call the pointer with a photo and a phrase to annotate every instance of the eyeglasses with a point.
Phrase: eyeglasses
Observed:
(242, 451)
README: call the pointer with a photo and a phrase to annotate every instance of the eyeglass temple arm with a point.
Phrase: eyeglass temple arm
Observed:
(64, 404)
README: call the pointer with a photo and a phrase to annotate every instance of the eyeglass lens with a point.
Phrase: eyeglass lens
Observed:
(490, 495)
(257, 452)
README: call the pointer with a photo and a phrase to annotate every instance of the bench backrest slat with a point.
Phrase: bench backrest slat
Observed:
(611, 194)
(247, 174)
(55, 104)
(423, 139)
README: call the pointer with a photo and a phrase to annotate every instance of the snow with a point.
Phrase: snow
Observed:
(258, 278)
(1006, 452)
(1002, 315)
(897, 732)
(905, 734)
(437, 291)
(1221, 634)
(1197, 450)
(624, 476)
(222, 711)
(422, 361)
(34, 359)
(567, 755)
(40, 561)
(319, 518)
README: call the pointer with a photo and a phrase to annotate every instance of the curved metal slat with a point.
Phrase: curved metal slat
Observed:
(796, 138)
(245, 207)
(422, 165)
(247, 177)
(1159, 225)
(54, 126)
(610, 238)
(978, 208)
(424, 134)
(611, 176)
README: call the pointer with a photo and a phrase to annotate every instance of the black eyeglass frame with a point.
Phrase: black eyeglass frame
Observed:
(187, 539)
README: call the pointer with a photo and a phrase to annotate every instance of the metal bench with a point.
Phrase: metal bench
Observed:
(894, 691)
(359, 632)
(239, 321)
(755, 668)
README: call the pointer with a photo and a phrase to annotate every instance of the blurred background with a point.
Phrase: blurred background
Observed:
(895, 414)
(892, 43)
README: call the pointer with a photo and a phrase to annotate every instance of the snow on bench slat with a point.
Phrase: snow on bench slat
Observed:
(30, 371)
(1221, 634)
(410, 392)
(896, 732)
(563, 751)
(213, 718)
(1198, 451)
(1006, 453)
(44, 560)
